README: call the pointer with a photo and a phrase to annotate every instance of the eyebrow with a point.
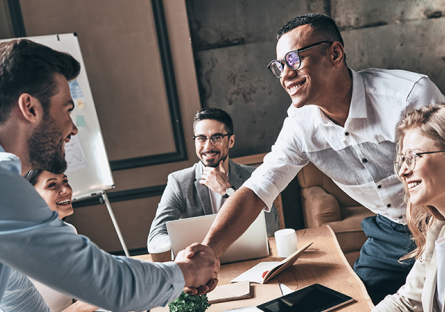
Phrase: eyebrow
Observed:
(50, 179)
(219, 133)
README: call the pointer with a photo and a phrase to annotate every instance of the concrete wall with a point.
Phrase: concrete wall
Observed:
(233, 42)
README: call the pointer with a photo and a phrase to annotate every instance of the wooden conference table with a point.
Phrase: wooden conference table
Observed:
(322, 263)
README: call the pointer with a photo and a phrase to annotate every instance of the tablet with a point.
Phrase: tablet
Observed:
(314, 298)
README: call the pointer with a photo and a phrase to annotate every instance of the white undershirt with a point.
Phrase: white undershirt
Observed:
(216, 199)
(440, 286)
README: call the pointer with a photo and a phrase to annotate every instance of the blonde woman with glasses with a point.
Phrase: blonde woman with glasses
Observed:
(420, 164)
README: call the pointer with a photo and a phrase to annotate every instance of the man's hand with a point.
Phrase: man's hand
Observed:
(200, 269)
(80, 306)
(216, 178)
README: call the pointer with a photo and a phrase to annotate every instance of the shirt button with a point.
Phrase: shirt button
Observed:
(346, 133)
(379, 186)
(389, 205)
(365, 160)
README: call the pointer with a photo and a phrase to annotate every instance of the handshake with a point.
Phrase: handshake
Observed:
(200, 267)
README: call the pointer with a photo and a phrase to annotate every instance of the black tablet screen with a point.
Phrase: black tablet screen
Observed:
(314, 298)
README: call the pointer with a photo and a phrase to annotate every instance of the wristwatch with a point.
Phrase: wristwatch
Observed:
(229, 191)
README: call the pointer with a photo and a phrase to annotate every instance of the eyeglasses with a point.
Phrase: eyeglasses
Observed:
(291, 59)
(409, 158)
(216, 139)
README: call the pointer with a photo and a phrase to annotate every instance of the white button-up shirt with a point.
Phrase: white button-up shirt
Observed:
(357, 157)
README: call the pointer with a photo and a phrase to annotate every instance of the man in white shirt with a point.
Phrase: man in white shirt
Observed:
(203, 188)
(344, 122)
(35, 124)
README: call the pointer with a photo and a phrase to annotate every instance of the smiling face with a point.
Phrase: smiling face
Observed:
(46, 145)
(56, 191)
(209, 154)
(425, 183)
(310, 83)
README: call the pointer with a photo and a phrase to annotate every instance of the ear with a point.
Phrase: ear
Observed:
(337, 54)
(30, 108)
(232, 141)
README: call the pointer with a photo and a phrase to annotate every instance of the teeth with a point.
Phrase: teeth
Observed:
(294, 87)
(210, 154)
(65, 201)
(413, 184)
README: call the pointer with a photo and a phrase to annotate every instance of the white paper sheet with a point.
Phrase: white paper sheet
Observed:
(74, 155)
(285, 290)
(248, 309)
(255, 274)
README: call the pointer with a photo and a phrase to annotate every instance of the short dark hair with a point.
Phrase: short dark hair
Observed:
(32, 175)
(215, 114)
(323, 26)
(29, 67)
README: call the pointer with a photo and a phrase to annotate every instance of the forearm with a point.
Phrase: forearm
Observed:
(35, 242)
(234, 218)
(89, 274)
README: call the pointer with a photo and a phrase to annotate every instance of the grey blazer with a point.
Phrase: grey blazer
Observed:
(185, 197)
(419, 291)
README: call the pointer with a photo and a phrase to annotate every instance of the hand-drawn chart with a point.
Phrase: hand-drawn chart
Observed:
(74, 155)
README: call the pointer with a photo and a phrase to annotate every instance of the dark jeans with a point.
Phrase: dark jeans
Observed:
(378, 265)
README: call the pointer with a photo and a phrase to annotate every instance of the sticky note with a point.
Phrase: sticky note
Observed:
(80, 103)
(80, 121)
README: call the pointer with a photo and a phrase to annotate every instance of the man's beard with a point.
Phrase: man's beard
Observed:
(45, 147)
(215, 164)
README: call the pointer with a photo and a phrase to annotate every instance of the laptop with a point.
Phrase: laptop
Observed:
(251, 245)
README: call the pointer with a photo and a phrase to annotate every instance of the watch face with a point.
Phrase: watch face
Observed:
(230, 191)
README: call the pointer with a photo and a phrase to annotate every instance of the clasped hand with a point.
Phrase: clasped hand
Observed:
(215, 178)
(200, 268)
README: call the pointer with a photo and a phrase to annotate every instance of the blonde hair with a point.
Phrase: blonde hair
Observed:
(430, 122)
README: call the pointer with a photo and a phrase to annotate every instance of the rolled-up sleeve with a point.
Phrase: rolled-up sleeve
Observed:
(280, 166)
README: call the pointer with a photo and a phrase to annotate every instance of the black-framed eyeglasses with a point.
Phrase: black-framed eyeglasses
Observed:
(291, 59)
(410, 159)
(216, 139)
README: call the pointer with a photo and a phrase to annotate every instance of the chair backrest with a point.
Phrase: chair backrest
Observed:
(312, 176)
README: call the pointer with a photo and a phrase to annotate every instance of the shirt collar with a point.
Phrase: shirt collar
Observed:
(358, 99)
(10, 161)
(357, 108)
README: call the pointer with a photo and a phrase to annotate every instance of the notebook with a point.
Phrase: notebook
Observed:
(251, 245)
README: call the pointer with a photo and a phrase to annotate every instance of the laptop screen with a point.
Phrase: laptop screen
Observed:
(251, 245)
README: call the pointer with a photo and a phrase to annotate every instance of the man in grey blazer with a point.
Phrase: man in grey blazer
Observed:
(203, 188)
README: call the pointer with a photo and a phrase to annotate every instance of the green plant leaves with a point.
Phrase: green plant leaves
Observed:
(189, 303)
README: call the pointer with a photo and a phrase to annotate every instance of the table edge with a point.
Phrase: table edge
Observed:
(346, 263)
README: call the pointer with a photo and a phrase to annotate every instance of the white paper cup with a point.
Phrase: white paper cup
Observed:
(286, 241)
